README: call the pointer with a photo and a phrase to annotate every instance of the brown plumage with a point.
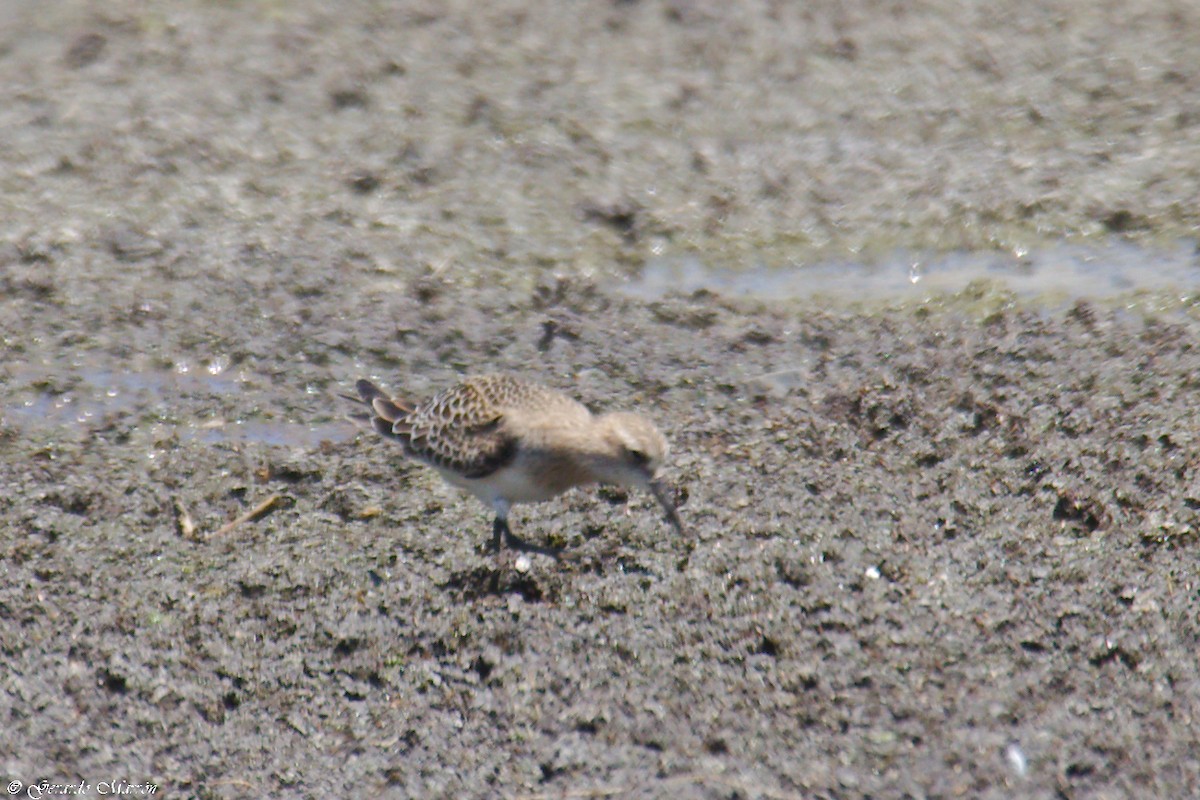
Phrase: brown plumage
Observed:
(509, 441)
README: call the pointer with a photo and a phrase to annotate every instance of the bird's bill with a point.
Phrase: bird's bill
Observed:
(663, 495)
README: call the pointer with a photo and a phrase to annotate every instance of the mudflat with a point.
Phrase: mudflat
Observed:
(933, 549)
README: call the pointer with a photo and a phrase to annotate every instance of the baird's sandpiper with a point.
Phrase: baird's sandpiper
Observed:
(510, 441)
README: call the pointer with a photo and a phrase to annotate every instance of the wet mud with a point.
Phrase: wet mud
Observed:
(933, 549)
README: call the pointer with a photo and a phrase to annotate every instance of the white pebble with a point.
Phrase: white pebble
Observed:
(1016, 759)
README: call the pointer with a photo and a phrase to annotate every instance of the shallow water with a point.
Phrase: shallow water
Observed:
(91, 398)
(1058, 274)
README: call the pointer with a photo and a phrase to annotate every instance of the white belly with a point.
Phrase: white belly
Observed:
(511, 484)
(533, 476)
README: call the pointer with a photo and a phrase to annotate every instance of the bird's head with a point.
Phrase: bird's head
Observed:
(635, 451)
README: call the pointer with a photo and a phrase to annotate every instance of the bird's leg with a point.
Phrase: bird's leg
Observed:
(501, 531)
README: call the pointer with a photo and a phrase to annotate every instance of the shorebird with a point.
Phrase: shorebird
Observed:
(507, 441)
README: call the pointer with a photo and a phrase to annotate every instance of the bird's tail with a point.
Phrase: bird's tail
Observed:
(386, 415)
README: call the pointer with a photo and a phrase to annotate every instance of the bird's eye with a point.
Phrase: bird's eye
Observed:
(639, 458)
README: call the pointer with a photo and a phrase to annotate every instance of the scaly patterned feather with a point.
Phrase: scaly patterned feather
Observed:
(460, 428)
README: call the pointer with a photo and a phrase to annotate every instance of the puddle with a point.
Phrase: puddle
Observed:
(1057, 274)
(89, 399)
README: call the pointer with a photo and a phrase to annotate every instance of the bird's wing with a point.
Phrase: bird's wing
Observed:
(462, 429)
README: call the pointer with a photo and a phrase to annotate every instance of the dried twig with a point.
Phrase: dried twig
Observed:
(250, 516)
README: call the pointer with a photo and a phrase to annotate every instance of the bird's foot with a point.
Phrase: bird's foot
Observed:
(514, 542)
(502, 533)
